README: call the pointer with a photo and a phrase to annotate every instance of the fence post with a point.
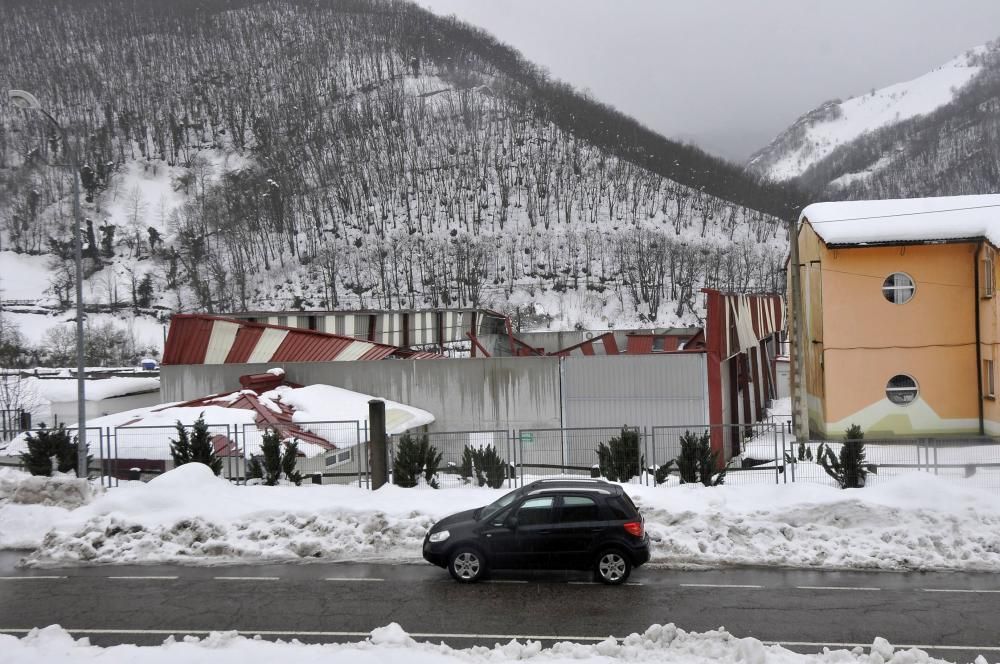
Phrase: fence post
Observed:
(511, 460)
(520, 447)
(777, 459)
(376, 417)
(784, 465)
(652, 452)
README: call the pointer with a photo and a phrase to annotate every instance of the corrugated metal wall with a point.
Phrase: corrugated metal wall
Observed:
(647, 390)
(497, 393)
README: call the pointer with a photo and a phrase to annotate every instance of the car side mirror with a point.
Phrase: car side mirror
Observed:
(512, 523)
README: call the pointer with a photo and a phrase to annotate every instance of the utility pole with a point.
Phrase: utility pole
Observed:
(797, 329)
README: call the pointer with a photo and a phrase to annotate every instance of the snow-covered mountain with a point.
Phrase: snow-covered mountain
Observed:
(359, 153)
(843, 143)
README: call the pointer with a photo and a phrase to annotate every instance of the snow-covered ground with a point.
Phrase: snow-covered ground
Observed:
(659, 643)
(917, 522)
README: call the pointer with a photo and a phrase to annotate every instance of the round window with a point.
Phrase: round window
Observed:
(901, 389)
(898, 288)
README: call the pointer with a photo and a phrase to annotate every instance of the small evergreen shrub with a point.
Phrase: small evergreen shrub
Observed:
(621, 458)
(697, 461)
(485, 465)
(415, 457)
(805, 452)
(274, 461)
(195, 447)
(848, 468)
(662, 473)
(48, 445)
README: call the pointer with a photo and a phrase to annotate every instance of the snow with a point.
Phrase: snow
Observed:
(63, 490)
(146, 433)
(24, 277)
(871, 222)
(326, 403)
(55, 390)
(188, 516)
(658, 643)
(850, 119)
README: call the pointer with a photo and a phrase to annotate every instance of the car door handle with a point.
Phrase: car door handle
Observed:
(544, 532)
(596, 530)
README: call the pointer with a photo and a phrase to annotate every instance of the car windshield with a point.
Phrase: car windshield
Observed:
(497, 505)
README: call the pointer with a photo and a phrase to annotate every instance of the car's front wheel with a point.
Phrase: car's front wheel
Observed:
(612, 567)
(467, 564)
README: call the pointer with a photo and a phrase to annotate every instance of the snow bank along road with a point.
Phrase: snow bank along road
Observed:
(188, 516)
(951, 615)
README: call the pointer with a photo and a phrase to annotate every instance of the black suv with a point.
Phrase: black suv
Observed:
(548, 524)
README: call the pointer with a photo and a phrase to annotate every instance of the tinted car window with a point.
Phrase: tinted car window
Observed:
(577, 508)
(622, 508)
(535, 511)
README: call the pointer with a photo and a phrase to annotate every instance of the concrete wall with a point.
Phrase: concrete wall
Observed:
(65, 411)
(638, 390)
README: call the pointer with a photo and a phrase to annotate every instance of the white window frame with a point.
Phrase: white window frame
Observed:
(916, 388)
(912, 288)
(989, 380)
(340, 457)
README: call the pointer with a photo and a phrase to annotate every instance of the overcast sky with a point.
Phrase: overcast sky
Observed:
(729, 75)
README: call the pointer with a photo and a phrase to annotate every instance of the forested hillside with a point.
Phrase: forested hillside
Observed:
(936, 135)
(353, 153)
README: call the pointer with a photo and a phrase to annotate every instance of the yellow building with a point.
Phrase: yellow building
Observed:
(901, 321)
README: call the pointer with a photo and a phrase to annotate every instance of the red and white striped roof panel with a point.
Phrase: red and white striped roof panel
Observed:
(202, 339)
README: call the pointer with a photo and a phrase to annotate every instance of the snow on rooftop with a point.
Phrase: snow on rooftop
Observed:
(906, 220)
(326, 403)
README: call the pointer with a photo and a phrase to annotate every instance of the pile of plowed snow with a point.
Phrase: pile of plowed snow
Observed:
(187, 515)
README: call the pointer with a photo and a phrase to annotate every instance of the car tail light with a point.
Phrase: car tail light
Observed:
(634, 528)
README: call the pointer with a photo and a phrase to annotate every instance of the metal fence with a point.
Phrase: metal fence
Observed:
(761, 446)
(976, 462)
(141, 452)
(468, 458)
(501, 458)
(12, 422)
(347, 463)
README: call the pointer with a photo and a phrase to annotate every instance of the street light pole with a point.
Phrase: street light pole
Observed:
(28, 101)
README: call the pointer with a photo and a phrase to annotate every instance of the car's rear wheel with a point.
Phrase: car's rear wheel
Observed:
(612, 567)
(467, 564)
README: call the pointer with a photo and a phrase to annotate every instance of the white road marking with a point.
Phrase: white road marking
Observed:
(350, 578)
(18, 578)
(247, 578)
(956, 590)
(900, 646)
(719, 585)
(837, 588)
(145, 578)
(503, 637)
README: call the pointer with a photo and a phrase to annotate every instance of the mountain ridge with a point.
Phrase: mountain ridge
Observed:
(359, 153)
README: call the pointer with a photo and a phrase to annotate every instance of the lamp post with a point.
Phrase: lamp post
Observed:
(28, 101)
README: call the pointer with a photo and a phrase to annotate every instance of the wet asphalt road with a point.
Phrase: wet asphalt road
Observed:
(957, 614)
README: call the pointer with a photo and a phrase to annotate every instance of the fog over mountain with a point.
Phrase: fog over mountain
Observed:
(729, 76)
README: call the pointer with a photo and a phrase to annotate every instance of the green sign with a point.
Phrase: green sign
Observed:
(527, 437)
